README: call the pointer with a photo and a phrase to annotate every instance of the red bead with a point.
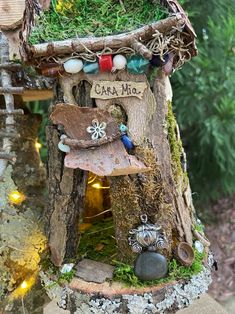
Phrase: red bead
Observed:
(106, 63)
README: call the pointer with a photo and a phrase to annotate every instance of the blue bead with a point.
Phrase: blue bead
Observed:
(91, 67)
(137, 64)
(123, 128)
(127, 142)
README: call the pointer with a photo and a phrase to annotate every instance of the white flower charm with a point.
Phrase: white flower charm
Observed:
(97, 129)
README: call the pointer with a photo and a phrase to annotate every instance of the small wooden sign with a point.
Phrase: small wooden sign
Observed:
(117, 89)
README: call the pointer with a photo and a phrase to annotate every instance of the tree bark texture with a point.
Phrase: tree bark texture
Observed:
(66, 191)
(162, 193)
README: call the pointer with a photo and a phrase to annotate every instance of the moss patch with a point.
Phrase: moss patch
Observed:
(68, 19)
(175, 145)
(98, 243)
(125, 272)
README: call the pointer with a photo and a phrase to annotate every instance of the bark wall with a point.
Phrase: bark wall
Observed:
(66, 190)
(163, 193)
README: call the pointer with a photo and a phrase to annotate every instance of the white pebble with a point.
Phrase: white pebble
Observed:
(66, 268)
(64, 148)
(73, 65)
(199, 246)
(119, 62)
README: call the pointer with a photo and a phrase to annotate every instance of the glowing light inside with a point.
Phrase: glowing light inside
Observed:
(91, 178)
(99, 186)
(16, 197)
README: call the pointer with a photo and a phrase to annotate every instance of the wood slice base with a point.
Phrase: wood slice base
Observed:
(113, 297)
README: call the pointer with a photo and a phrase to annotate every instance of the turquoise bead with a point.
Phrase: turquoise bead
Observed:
(137, 64)
(91, 67)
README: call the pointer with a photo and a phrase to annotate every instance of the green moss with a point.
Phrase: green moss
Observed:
(125, 273)
(175, 144)
(199, 227)
(98, 243)
(68, 19)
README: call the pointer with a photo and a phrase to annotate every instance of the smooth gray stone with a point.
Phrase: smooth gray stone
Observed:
(150, 266)
(93, 271)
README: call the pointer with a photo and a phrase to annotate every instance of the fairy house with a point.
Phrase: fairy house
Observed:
(115, 154)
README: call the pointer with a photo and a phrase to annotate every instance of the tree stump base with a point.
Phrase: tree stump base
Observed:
(80, 296)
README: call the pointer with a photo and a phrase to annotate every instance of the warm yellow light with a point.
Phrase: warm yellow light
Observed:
(15, 197)
(99, 186)
(91, 178)
(38, 145)
(24, 285)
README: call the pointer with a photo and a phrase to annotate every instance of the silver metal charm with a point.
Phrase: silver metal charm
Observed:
(146, 236)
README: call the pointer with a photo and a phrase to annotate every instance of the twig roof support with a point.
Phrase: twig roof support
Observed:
(99, 43)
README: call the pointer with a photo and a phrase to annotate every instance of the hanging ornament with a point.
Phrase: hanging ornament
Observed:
(123, 128)
(63, 147)
(125, 138)
(150, 266)
(97, 129)
(73, 66)
(146, 236)
(137, 64)
(119, 62)
(158, 62)
(91, 67)
(127, 142)
(106, 63)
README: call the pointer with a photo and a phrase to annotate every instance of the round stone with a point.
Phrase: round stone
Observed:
(119, 62)
(73, 66)
(150, 266)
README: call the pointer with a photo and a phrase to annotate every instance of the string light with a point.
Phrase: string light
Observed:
(24, 285)
(99, 186)
(91, 178)
(16, 197)
(97, 182)
(38, 146)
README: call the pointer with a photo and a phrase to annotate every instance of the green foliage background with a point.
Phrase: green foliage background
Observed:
(204, 100)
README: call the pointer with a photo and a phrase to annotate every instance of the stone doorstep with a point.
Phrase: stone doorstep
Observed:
(204, 305)
(92, 271)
